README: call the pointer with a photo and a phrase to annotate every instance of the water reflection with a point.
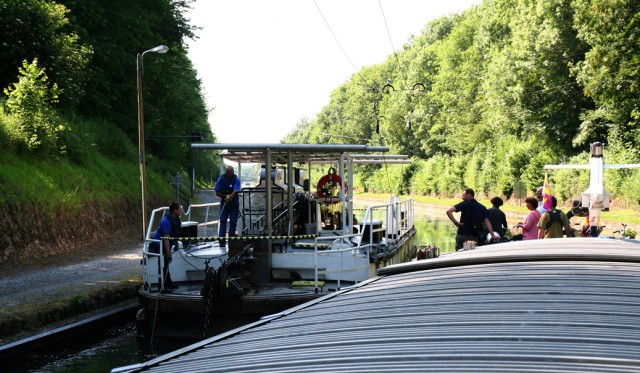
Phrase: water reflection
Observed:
(103, 350)
(438, 232)
(119, 346)
(433, 228)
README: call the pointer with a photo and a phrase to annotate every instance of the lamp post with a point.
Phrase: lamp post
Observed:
(141, 157)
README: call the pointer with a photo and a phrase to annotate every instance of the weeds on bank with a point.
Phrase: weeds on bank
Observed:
(25, 318)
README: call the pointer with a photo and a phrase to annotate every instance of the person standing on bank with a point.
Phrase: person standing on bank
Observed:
(552, 222)
(472, 215)
(497, 217)
(170, 226)
(227, 188)
(540, 198)
(530, 224)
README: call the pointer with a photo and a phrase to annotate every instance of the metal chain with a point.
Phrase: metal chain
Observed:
(211, 274)
(217, 276)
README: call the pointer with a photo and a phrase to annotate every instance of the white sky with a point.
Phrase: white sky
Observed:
(265, 65)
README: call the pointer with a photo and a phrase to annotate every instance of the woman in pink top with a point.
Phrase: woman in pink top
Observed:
(530, 225)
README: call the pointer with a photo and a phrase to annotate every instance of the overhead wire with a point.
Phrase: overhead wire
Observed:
(335, 37)
(393, 49)
(364, 84)
(402, 71)
(386, 25)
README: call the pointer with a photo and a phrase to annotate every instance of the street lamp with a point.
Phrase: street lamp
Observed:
(141, 157)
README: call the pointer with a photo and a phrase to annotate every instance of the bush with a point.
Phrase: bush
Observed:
(86, 136)
(30, 101)
(388, 179)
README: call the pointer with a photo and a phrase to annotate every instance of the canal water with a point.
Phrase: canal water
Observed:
(120, 346)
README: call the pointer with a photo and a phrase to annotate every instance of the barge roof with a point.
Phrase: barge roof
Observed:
(543, 305)
(303, 153)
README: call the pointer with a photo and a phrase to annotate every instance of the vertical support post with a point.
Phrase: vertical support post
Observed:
(268, 204)
(290, 193)
(350, 195)
(310, 195)
(193, 173)
(343, 197)
(141, 155)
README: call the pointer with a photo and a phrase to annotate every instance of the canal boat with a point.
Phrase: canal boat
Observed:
(565, 304)
(296, 240)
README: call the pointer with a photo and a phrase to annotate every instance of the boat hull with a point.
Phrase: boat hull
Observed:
(185, 313)
(188, 316)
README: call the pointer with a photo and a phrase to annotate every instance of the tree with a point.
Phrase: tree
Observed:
(609, 71)
(31, 101)
(39, 29)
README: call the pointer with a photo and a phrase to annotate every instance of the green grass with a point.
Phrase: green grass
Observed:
(57, 182)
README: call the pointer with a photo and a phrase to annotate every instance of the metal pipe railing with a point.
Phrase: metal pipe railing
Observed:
(399, 225)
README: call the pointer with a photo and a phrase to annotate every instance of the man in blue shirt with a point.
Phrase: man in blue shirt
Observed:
(169, 227)
(227, 188)
(472, 216)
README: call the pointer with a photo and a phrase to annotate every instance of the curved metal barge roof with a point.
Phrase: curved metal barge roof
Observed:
(570, 305)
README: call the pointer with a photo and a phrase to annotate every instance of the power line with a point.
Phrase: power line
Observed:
(340, 45)
(393, 49)
(334, 36)
(384, 18)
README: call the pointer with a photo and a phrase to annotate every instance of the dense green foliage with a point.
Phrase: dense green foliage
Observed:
(488, 97)
(40, 29)
(30, 101)
(68, 72)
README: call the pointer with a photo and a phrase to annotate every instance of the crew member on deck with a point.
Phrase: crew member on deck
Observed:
(227, 188)
(169, 227)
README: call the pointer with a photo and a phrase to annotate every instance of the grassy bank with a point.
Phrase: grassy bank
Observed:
(54, 182)
(55, 205)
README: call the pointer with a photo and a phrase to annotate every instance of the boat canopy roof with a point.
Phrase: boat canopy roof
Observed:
(303, 153)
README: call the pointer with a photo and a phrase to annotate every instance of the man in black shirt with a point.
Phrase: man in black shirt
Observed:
(472, 217)
(497, 217)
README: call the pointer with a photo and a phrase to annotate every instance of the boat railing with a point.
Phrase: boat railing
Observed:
(201, 212)
(397, 218)
(195, 212)
(154, 221)
(280, 219)
(344, 244)
(254, 213)
(397, 221)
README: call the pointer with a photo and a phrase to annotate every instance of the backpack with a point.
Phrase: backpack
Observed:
(480, 231)
(554, 217)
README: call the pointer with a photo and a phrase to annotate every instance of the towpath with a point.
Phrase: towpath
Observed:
(46, 283)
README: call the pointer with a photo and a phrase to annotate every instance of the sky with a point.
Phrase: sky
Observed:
(265, 65)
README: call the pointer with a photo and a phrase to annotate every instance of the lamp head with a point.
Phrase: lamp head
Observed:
(159, 49)
(596, 150)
